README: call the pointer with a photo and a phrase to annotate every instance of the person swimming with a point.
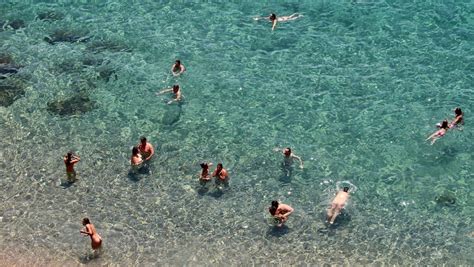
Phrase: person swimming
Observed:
(274, 19)
(222, 177)
(69, 160)
(338, 203)
(458, 118)
(439, 133)
(176, 90)
(178, 68)
(89, 229)
(280, 212)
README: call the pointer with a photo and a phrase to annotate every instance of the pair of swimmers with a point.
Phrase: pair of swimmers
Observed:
(221, 174)
(141, 153)
(445, 125)
(280, 212)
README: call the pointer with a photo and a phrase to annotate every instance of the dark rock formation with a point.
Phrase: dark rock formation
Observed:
(75, 105)
(50, 15)
(68, 36)
(9, 92)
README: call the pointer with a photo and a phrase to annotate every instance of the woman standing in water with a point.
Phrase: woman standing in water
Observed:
(69, 160)
(89, 229)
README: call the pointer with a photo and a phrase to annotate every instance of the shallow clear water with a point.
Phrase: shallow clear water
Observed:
(354, 88)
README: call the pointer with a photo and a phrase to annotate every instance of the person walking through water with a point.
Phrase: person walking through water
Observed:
(89, 229)
(69, 160)
(146, 149)
(280, 212)
(338, 203)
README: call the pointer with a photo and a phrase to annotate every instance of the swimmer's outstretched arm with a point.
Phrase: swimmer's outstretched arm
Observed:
(166, 90)
(274, 24)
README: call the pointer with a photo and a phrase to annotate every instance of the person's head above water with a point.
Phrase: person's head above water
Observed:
(135, 150)
(345, 189)
(175, 88)
(86, 221)
(219, 166)
(458, 111)
(272, 17)
(287, 151)
(143, 140)
(274, 207)
(444, 124)
(204, 165)
(177, 62)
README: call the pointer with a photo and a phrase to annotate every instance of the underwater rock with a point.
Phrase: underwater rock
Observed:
(7, 66)
(50, 15)
(172, 115)
(108, 45)
(447, 198)
(68, 36)
(75, 105)
(105, 72)
(9, 92)
(14, 24)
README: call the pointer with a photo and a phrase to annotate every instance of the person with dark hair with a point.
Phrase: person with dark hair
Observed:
(69, 160)
(146, 149)
(458, 118)
(176, 90)
(274, 19)
(443, 128)
(136, 160)
(178, 68)
(222, 177)
(289, 157)
(338, 203)
(280, 212)
(89, 229)
(205, 177)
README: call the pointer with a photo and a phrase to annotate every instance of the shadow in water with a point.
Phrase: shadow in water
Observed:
(278, 231)
(66, 184)
(136, 175)
(90, 256)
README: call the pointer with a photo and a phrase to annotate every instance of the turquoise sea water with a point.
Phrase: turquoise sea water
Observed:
(354, 87)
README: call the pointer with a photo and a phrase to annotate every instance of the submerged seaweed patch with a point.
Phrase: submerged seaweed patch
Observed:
(75, 105)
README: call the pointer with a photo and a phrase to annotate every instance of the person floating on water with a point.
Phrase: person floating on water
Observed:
(280, 212)
(337, 205)
(146, 149)
(136, 160)
(458, 118)
(178, 68)
(222, 177)
(69, 160)
(89, 229)
(443, 128)
(274, 19)
(205, 176)
(176, 90)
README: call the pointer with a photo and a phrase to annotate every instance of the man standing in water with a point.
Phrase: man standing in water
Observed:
(146, 149)
(337, 205)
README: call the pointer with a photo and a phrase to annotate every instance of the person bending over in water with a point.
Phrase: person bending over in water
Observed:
(274, 19)
(69, 160)
(337, 205)
(289, 157)
(146, 149)
(458, 119)
(439, 133)
(222, 177)
(176, 93)
(136, 160)
(280, 212)
(89, 229)
(178, 68)
(205, 177)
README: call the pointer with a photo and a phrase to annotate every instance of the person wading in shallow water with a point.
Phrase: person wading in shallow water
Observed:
(69, 160)
(89, 229)
(280, 212)
(178, 68)
(146, 149)
(337, 205)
